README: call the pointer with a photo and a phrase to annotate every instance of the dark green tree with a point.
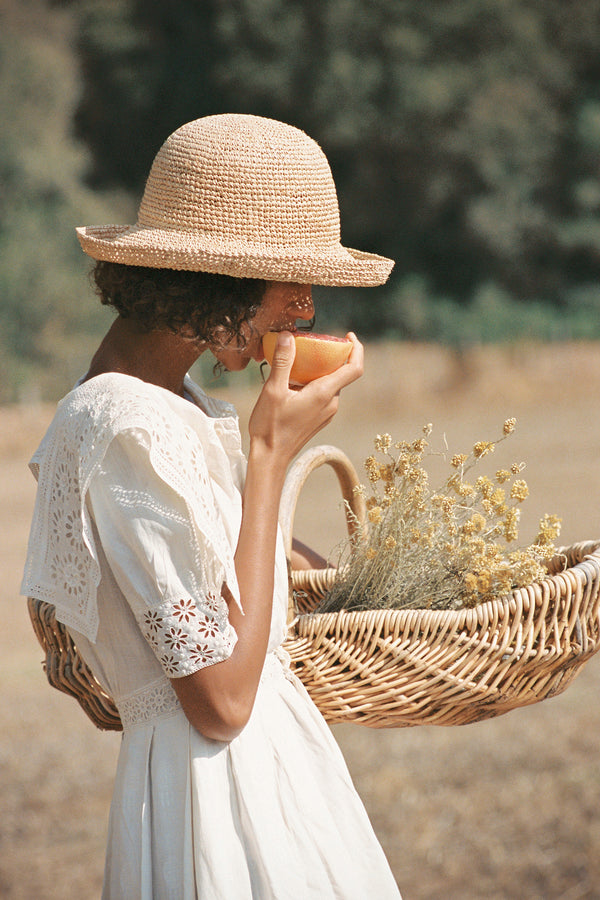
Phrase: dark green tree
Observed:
(46, 325)
(454, 129)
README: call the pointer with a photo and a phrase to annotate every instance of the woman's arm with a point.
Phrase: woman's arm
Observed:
(304, 557)
(218, 699)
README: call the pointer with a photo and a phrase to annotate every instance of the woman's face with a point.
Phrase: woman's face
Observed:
(283, 303)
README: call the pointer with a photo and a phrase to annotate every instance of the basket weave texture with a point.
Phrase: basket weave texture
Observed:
(67, 672)
(396, 668)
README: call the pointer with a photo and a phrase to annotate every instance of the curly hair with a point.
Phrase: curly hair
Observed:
(209, 307)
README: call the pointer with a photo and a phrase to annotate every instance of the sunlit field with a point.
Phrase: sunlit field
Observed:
(502, 810)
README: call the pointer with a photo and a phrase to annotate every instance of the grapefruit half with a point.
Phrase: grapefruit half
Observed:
(316, 354)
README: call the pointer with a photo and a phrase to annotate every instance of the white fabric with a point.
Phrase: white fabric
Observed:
(62, 562)
(271, 815)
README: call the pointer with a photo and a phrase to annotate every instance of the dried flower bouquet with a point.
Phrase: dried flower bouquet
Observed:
(438, 549)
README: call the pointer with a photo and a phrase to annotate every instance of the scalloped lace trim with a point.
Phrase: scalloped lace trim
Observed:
(153, 702)
(158, 699)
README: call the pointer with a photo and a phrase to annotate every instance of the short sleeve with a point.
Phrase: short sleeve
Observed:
(171, 572)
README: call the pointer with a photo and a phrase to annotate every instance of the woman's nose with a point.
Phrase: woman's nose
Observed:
(302, 305)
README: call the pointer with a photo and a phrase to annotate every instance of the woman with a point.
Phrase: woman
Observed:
(158, 544)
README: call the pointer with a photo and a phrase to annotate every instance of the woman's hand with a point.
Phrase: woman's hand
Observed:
(285, 419)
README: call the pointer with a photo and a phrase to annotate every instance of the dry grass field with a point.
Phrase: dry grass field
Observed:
(507, 809)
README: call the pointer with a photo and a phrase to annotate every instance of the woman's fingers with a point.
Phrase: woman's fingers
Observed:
(347, 373)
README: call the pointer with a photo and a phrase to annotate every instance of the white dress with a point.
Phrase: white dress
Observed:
(135, 527)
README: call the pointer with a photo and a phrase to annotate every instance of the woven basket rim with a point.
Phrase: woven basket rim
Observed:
(488, 611)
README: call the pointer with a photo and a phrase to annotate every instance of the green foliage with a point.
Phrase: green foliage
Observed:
(46, 325)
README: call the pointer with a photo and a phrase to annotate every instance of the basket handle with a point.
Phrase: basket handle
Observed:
(311, 459)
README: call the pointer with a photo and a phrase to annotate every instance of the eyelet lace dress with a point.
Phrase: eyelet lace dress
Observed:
(133, 537)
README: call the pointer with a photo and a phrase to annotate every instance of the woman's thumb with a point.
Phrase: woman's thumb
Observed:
(283, 356)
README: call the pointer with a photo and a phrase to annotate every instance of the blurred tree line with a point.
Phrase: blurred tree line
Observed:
(464, 138)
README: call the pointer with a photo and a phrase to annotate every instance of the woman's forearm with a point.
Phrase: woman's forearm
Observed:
(218, 699)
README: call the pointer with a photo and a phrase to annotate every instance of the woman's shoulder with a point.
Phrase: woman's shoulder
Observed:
(95, 411)
(90, 416)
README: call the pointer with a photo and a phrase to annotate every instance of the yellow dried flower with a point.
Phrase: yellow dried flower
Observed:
(549, 529)
(485, 486)
(383, 442)
(386, 473)
(427, 429)
(517, 467)
(371, 553)
(402, 465)
(390, 542)
(492, 551)
(466, 490)
(482, 448)
(498, 497)
(502, 475)
(509, 426)
(519, 491)
(474, 525)
(511, 522)
(478, 521)
(484, 582)
(419, 445)
(454, 482)
(372, 467)
(458, 460)
(470, 582)
(504, 580)
(374, 515)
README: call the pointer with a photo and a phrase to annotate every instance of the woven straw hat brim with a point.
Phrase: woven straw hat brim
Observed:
(138, 245)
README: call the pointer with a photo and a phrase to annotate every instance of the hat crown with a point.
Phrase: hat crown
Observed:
(243, 180)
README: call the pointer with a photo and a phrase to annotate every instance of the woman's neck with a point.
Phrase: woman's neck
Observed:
(158, 357)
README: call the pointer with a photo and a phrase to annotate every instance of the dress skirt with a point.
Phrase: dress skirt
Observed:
(273, 815)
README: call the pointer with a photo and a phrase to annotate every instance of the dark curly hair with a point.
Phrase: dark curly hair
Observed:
(174, 300)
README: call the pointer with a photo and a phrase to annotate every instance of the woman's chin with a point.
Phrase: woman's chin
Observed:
(232, 361)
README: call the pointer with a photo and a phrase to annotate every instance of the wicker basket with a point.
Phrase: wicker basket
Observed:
(394, 668)
(66, 670)
(399, 667)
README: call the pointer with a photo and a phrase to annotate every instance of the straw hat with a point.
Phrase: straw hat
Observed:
(244, 196)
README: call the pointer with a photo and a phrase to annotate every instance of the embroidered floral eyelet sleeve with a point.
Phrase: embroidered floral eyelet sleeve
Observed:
(170, 572)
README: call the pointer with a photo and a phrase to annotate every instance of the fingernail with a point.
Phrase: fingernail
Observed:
(284, 339)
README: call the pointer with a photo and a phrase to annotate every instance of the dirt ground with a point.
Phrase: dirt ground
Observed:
(505, 809)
